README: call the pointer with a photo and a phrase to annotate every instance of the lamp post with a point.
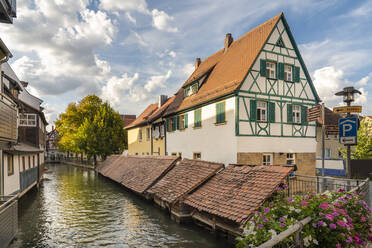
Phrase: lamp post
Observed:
(349, 96)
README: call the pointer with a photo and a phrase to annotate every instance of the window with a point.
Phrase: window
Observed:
(33, 161)
(147, 153)
(140, 135)
(340, 154)
(180, 154)
(220, 112)
(170, 124)
(280, 43)
(197, 118)
(288, 73)
(197, 155)
(148, 133)
(162, 131)
(173, 123)
(183, 121)
(271, 69)
(327, 153)
(10, 165)
(296, 112)
(261, 111)
(290, 158)
(191, 89)
(27, 120)
(29, 161)
(136, 153)
(23, 163)
(267, 159)
(174, 154)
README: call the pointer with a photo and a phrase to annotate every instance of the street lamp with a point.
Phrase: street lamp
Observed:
(348, 94)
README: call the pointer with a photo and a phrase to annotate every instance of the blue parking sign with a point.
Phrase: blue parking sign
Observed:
(348, 128)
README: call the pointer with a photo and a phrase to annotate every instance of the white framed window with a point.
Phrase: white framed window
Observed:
(270, 69)
(290, 158)
(148, 133)
(327, 153)
(27, 120)
(296, 113)
(182, 122)
(162, 131)
(288, 73)
(267, 159)
(261, 111)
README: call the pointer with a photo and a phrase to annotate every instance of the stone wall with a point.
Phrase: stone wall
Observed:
(305, 161)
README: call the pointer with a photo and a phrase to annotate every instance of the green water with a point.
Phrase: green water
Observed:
(76, 207)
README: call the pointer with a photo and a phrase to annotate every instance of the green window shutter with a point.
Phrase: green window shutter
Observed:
(186, 121)
(222, 112)
(197, 118)
(289, 113)
(263, 68)
(296, 74)
(303, 114)
(281, 71)
(253, 110)
(174, 120)
(271, 112)
(218, 113)
(166, 125)
(177, 122)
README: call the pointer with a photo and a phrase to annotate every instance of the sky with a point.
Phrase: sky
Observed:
(130, 52)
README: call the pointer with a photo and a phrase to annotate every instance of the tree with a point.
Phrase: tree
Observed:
(91, 127)
(363, 150)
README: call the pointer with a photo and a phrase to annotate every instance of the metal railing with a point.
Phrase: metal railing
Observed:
(331, 184)
(28, 177)
(301, 184)
(8, 219)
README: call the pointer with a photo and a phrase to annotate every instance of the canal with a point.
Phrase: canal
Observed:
(76, 207)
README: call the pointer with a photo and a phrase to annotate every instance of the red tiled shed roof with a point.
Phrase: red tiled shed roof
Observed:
(237, 191)
(183, 178)
(138, 173)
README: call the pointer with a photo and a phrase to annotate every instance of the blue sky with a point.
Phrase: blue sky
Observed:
(129, 52)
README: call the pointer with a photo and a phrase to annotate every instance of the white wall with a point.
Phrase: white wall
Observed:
(11, 183)
(215, 143)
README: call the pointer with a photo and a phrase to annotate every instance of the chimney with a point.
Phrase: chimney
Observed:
(162, 100)
(228, 40)
(197, 63)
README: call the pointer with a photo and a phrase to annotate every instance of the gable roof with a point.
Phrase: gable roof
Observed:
(226, 70)
(183, 178)
(237, 191)
(151, 113)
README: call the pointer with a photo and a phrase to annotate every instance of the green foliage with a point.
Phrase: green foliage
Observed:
(91, 127)
(363, 150)
(339, 219)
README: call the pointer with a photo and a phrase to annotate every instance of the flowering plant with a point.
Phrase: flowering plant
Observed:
(339, 219)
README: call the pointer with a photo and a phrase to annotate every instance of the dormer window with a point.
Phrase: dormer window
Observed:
(280, 43)
(191, 89)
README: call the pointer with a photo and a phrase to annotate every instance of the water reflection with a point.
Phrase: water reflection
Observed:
(75, 207)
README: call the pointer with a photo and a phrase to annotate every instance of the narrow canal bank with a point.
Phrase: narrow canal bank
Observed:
(77, 207)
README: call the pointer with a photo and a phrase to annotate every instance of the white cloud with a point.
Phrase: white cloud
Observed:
(156, 82)
(116, 88)
(173, 54)
(128, 5)
(161, 21)
(130, 18)
(134, 38)
(363, 81)
(188, 69)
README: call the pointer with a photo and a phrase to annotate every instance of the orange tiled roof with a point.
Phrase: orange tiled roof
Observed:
(151, 113)
(138, 173)
(183, 178)
(229, 68)
(237, 191)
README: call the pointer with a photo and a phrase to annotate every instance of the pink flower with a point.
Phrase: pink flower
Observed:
(341, 223)
(282, 224)
(335, 214)
(266, 210)
(349, 240)
(290, 200)
(341, 190)
(285, 186)
(324, 205)
(338, 246)
(363, 219)
(304, 203)
(329, 217)
(282, 219)
(332, 226)
(259, 225)
(266, 220)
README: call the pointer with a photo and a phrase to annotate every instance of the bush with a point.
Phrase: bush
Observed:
(339, 219)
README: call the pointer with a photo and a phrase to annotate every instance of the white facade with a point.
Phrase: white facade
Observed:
(11, 181)
(215, 142)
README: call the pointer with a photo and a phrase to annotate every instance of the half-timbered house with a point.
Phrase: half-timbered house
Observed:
(247, 103)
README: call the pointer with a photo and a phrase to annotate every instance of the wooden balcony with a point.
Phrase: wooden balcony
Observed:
(8, 120)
